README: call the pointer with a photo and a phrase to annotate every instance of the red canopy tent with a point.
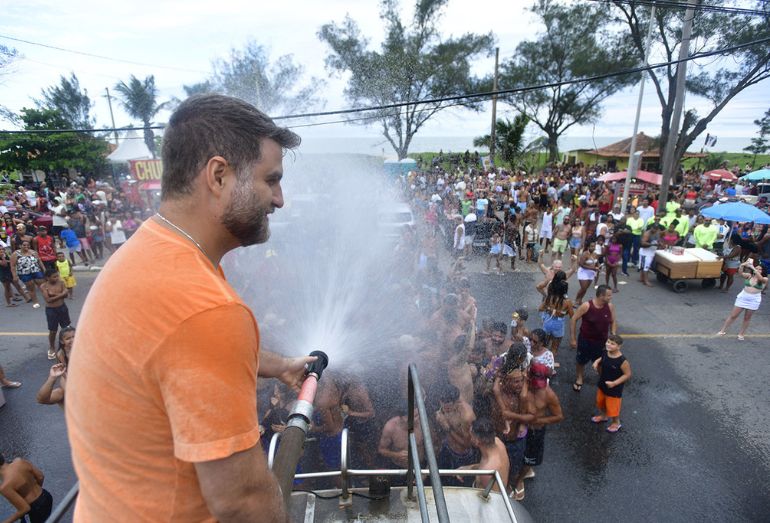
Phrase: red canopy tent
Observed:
(721, 174)
(644, 176)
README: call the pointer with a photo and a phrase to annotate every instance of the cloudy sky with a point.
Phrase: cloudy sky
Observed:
(176, 41)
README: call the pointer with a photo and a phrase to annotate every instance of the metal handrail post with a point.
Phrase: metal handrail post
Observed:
(430, 455)
(418, 479)
(272, 448)
(63, 507)
(346, 498)
(410, 431)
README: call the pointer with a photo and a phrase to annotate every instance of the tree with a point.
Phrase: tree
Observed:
(51, 152)
(509, 138)
(251, 76)
(413, 64)
(759, 144)
(73, 104)
(7, 56)
(140, 100)
(719, 79)
(566, 50)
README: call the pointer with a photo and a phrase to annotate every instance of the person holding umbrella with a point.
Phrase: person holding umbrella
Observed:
(749, 299)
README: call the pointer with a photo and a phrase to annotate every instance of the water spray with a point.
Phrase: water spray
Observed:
(292, 442)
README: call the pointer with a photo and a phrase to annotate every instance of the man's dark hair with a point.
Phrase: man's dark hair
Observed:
(616, 338)
(204, 126)
(449, 394)
(51, 272)
(500, 326)
(484, 431)
(601, 290)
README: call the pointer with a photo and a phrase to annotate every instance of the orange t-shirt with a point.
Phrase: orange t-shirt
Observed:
(163, 375)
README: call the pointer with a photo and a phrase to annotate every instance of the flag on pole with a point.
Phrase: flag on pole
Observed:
(711, 141)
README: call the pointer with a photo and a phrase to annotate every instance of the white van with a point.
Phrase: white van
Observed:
(391, 219)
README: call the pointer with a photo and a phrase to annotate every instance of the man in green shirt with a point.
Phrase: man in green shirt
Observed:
(637, 227)
(671, 206)
(683, 227)
(706, 235)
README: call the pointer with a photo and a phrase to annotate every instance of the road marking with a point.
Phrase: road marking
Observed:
(23, 334)
(656, 335)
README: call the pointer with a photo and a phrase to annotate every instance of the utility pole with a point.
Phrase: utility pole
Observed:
(112, 117)
(673, 130)
(632, 164)
(494, 110)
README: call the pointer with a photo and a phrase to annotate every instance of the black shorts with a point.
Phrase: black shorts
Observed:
(57, 317)
(6, 276)
(515, 450)
(533, 455)
(588, 351)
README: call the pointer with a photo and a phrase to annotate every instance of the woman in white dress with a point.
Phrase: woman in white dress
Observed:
(749, 299)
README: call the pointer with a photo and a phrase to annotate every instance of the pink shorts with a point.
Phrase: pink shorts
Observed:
(84, 243)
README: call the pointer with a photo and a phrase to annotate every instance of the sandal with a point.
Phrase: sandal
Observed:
(518, 495)
(612, 430)
(721, 333)
(599, 419)
(740, 337)
(11, 384)
(577, 386)
(12, 305)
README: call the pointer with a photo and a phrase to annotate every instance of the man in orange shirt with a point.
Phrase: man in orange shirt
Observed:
(161, 393)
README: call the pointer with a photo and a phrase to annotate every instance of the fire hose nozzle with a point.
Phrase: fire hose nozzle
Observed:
(317, 367)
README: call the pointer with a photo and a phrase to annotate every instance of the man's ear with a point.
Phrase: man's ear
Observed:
(216, 174)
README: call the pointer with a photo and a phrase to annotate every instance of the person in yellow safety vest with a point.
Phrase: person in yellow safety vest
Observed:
(706, 235)
(637, 227)
(683, 227)
(671, 207)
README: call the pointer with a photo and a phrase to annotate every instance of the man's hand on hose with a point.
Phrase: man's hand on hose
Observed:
(293, 373)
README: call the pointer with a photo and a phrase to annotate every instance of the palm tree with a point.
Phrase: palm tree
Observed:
(508, 138)
(139, 99)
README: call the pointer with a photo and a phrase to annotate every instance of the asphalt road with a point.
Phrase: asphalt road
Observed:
(695, 415)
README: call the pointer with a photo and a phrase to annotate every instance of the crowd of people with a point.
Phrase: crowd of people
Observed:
(486, 381)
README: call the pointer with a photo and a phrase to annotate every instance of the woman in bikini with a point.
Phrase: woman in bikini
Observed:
(588, 265)
(749, 299)
(612, 262)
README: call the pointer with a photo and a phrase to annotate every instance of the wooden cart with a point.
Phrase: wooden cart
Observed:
(692, 264)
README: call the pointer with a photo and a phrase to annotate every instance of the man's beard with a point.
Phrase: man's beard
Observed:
(245, 219)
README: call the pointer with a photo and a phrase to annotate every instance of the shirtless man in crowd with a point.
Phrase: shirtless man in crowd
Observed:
(22, 485)
(511, 416)
(561, 240)
(394, 441)
(328, 421)
(548, 273)
(493, 454)
(497, 343)
(449, 321)
(454, 420)
(545, 406)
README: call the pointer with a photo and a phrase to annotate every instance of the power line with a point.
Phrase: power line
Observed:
(663, 4)
(457, 98)
(102, 57)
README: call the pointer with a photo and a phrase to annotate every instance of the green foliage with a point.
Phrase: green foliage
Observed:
(718, 79)
(413, 64)
(271, 86)
(140, 100)
(51, 152)
(759, 144)
(576, 43)
(73, 104)
(508, 138)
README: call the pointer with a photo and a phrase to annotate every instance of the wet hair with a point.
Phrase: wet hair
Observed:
(523, 314)
(616, 339)
(62, 332)
(449, 394)
(500, 326)
(601, 290)
(539, 334)
(484, 430)
(208, 125)
(515, 358)
(557, 290)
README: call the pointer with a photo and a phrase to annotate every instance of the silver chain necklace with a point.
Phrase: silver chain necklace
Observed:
(183, 232)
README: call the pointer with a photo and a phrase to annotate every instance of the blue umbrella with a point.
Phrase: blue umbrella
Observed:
(736, 212)
(756, 176)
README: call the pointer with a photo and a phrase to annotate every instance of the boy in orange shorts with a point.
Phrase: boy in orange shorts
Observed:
(614, 370)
